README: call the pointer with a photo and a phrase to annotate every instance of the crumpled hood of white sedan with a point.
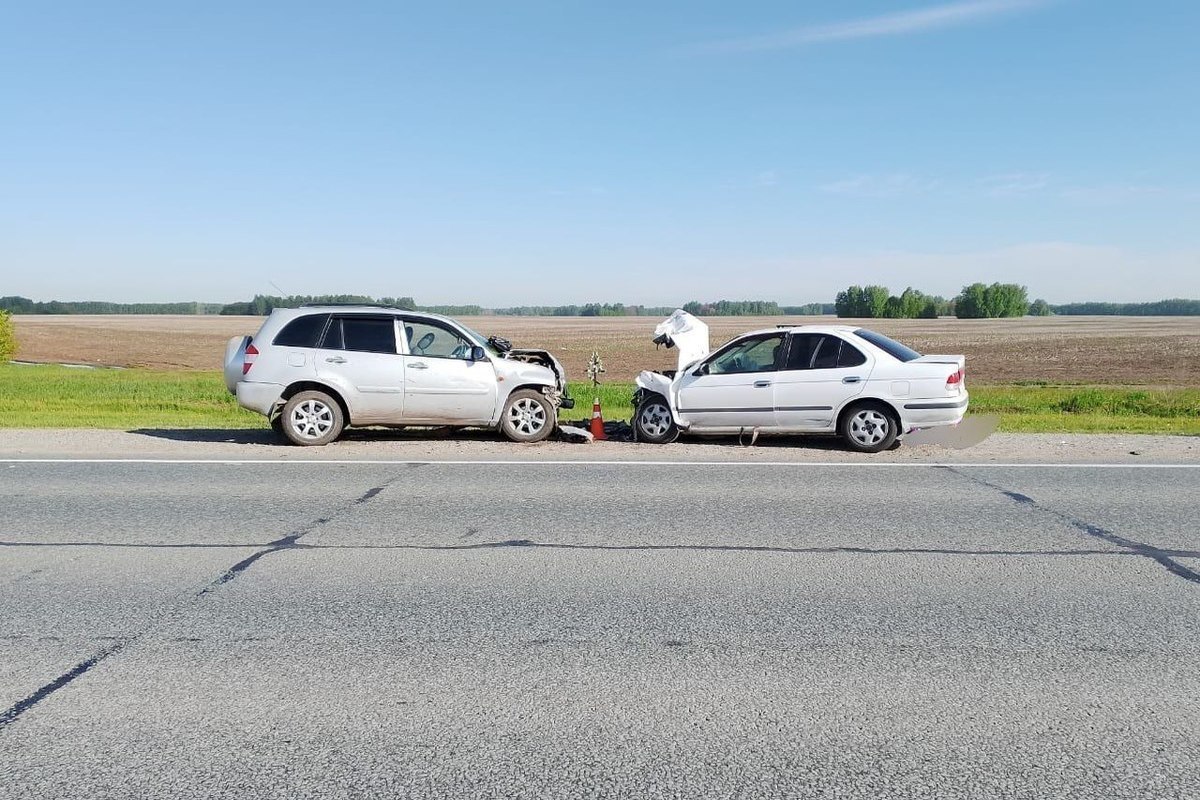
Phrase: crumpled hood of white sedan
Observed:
(686, 333)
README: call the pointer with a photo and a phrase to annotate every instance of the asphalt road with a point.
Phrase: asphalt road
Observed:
(303, 630)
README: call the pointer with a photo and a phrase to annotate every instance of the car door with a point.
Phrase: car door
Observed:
(734, 387)
(358, 357)
(442, 384)
(820, 374)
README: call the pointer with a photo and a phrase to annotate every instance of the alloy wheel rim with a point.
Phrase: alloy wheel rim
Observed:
(655, 420)
(312, 419)
(527, 416)
(869, 427)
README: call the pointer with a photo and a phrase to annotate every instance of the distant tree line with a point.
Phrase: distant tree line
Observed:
(809, 310)
(976, 301)
(877, 302)
(1175, 307)
(585, 310)
(981, 301)
(23, 305)
(264, 304)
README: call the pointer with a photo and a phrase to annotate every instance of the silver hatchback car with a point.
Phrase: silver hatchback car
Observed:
(315, 370)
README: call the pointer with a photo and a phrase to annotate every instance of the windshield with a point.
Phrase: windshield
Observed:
(479, 339)
(889, 346)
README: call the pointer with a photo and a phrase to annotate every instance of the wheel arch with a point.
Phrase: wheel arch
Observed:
(855, 402)
(305, 386)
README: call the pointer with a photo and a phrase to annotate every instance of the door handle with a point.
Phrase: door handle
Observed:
(336, 360)
(761, 384)
(851, 379)
(418, 365)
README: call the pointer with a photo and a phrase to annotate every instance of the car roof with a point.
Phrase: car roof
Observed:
(334, 308)
(804, 329)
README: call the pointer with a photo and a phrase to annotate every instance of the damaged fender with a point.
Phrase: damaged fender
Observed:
(545, 359)
(651, 382)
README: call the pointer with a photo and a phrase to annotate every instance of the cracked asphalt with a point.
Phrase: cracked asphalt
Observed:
(296, 630)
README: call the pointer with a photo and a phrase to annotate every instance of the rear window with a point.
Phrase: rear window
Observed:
(889, 346)
(302, 331)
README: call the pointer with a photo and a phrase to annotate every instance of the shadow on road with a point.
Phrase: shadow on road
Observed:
(210, 435)
(266, 436)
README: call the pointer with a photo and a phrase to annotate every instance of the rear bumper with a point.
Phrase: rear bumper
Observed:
(260, 397)
(933, 413)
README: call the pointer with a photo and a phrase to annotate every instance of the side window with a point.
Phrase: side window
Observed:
(801, 353)
(361, 333)
(850, 356)
(302, 331)
(752, 355)
(826, 356)
(435, 341)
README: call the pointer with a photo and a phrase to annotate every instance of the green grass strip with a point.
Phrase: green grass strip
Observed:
(65, 397)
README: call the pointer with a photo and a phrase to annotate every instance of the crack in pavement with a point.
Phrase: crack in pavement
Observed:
(14, 712)
(1164, 558)
(289, 542)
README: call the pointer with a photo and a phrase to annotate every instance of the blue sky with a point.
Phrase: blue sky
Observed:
(539, 152)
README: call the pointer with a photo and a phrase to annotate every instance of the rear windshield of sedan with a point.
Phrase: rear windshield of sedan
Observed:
(889, 346)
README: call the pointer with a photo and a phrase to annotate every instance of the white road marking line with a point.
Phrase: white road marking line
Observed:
(586, 463)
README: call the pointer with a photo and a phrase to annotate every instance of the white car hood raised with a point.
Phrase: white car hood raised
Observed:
(685, 333)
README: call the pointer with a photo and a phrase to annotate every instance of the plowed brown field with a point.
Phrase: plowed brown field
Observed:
(1120, 350)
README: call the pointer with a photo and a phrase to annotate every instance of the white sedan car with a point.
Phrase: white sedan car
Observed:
(819, 379)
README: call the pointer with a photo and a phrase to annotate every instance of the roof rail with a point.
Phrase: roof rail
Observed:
(347, 305)
(793, 325)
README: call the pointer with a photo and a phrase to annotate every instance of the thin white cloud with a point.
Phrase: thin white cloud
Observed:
(1016, 184)
(896, 184)
(899, 24)
(1117, 193)
(768, 177)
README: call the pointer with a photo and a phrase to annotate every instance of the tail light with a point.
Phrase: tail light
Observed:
(248, 361)
(955, 380)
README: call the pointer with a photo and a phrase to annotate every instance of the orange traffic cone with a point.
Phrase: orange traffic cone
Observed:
(597, 421)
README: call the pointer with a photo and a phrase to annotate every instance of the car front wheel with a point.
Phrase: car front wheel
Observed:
(311, 418)
(652, 421)
(869, 427)
(528, 416)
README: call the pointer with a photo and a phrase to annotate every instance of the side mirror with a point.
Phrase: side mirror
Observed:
(478, 353)
(702, 369)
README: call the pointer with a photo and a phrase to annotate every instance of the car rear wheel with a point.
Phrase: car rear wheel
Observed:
(652, 421)
(869, 427)
(528, 416)
(311, 418)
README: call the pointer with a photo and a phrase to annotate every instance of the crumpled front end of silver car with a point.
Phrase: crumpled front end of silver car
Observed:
(545, 358)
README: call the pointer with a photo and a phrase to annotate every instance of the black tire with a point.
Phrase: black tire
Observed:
(528, 416)
(869, 427)
(277, 426)
(652, 421)
(311, 419)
